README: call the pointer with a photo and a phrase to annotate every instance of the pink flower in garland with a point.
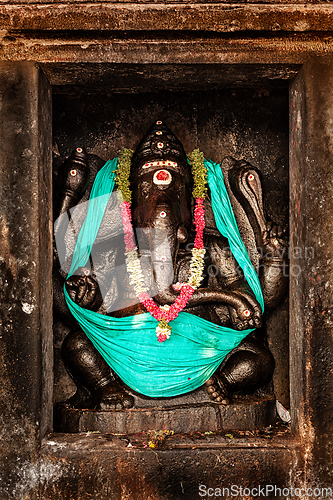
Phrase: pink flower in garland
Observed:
(162, 337)
(180, 302)
(127, 226)
(199, 221)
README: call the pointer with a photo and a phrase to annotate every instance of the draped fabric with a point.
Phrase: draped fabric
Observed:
(129, 345)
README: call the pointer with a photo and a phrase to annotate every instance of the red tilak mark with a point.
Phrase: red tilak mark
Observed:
(163, 175)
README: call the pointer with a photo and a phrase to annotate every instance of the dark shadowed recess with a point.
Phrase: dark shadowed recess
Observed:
(248, 122)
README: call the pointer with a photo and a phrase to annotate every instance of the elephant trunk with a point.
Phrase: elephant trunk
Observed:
(164, 237)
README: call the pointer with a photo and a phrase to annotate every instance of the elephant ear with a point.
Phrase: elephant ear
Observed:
(246, 201)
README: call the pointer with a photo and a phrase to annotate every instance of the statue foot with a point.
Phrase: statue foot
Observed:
(112, 397)
(216, 390)
(80, 400)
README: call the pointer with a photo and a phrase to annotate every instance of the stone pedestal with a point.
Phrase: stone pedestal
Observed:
(192, 413)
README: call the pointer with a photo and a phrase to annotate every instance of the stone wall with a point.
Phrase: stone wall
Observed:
(125, 48)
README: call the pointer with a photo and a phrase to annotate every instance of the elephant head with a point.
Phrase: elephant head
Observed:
(161, 184)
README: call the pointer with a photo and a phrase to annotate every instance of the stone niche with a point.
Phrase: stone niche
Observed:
(223, 118)
(249, 123)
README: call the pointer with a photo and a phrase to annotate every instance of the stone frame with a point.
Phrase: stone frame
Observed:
(277, 46)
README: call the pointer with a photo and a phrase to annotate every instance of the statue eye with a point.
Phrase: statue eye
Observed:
(180, 189)
(145, 189)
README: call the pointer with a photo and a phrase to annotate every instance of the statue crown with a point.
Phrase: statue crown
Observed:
(158, 145)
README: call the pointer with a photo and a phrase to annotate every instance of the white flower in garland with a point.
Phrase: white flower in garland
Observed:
(197, 267)
(134, 270)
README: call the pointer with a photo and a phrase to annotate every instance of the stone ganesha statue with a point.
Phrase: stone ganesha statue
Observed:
(162, 208)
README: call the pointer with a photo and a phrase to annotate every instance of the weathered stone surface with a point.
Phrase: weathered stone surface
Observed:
(25, 277)
(311, 321)
(138, 2)
(142, 78)
(218, 17)
(119, 467)
(249, 414)
(278, 338)
(55, 49)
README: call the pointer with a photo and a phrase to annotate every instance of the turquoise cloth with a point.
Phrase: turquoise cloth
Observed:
(129, 345)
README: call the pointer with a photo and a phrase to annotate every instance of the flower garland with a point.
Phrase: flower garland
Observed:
(163, 314)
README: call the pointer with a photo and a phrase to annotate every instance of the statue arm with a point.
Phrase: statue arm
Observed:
(72, 181)
(273, 271)
(246, 185)
(228, 283)
(245, 312)
(224, 286)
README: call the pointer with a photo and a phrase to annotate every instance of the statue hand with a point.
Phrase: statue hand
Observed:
(85, 292)
(274, 265)
(246, 312)
(167, 296)
(274, 241)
